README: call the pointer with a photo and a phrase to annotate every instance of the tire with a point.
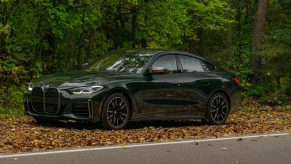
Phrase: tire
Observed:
(45, 121)
(115, 112)
(39, 120)
(204, 121)
(218, 109)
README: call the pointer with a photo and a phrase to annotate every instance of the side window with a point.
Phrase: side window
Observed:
(167, 61)
(206, 66)
(190, 64)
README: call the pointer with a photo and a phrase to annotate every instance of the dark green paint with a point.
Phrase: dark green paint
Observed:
(152, 96)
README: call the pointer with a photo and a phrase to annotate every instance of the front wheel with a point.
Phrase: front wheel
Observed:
(45, 121)
(218, 109)
(115, 113)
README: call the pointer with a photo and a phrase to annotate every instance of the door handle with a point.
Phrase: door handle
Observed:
(205, 83)
(177, 84)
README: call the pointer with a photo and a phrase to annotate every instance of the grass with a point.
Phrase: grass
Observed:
(11, 112)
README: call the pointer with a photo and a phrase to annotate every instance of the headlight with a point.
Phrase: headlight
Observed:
(85, 90)
(29, 87)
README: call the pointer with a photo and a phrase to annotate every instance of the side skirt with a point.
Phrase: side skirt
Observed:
(150, 118)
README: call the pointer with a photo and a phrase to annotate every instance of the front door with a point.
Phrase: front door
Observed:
(163, 94)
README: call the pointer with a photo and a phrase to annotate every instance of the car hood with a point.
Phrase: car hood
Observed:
(82, 78)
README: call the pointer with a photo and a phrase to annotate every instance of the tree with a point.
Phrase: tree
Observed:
(258, 36)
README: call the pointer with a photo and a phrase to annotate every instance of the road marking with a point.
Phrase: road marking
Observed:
(141, 145)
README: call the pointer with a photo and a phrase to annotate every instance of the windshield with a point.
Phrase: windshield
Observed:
(119, 62)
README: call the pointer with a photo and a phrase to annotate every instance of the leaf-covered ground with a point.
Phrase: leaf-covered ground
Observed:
(23, 134)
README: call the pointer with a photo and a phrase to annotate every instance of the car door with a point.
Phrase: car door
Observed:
(197, 83)
(162, 93)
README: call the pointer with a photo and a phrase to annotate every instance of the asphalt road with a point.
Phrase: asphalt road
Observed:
(240, 150)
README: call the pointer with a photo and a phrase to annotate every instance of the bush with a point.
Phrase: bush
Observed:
(278, 97)
(11, 101)
(257, 91)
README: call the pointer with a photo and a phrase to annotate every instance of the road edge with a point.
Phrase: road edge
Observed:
(141, 145)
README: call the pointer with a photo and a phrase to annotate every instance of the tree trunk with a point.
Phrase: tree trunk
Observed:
(229, 42)
(67, 51)
(79, 58)
(134, 11)
(229, 39)
(80, 44)
(258, 35)
(3, 21)
(239, 31)
(90, 43)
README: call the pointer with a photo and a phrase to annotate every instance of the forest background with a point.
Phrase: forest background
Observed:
(250, 37)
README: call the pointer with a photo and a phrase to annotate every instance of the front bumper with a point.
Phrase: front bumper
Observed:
(62, 106)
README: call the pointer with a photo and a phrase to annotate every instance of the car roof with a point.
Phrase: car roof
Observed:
(152, 52)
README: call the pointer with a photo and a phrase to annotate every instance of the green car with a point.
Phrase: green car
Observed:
(134, 85)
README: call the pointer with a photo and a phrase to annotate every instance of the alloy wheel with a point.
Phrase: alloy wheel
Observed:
(115, 113)
(218, 109)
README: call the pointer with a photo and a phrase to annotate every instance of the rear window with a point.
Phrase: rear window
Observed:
(190, 64)
(207, 67)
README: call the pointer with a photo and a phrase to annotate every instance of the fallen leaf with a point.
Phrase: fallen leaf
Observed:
(14, 159)
(239, 139)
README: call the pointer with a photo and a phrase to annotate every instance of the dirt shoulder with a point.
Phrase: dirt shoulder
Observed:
(23, 134)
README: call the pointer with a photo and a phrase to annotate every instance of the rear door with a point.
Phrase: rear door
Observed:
(197, 83)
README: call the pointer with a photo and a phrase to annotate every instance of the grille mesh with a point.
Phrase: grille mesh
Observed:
(37, 96)
(45, 102)
(51, 100)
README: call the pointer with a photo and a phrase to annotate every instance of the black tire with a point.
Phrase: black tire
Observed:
(218, 109)
(39, 120)
(45, 121)
(204, 121)
(115, 112)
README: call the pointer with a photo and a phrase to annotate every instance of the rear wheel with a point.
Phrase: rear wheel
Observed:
(116, 110)
(218, 109)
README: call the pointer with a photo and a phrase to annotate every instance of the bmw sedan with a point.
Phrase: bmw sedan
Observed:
(133, 85)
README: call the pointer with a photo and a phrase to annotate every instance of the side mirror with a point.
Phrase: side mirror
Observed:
(157, 70)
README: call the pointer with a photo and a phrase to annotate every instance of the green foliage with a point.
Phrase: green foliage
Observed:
(44, 36)
(276, 56)
(258, 91)
(277, 50)
(69, 33)
(11, 101)
(278, 97)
